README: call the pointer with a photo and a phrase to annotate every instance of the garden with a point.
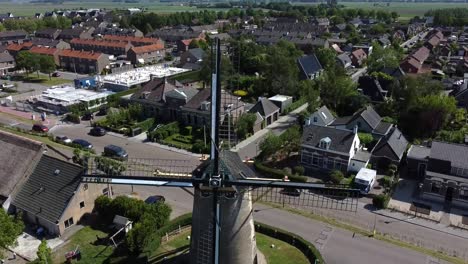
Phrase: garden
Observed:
(184, 137)
(129, 120)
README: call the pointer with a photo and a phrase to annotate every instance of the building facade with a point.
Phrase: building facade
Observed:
(83, 61)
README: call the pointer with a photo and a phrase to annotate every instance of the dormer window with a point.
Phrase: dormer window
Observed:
(325, 143)
(315, 119)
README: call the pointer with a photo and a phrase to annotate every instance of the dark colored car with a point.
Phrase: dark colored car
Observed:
(97, 131)
(83, 143)
(88, 116)
(155, 199)
(102, 111)
(291, 191)
(115, 152)
(56, 74)
(40, 128)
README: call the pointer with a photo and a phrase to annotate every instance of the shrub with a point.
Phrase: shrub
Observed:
(187, 131)
(199, 147)
(381, 201)
(102, 205)
(109, 166)
(299, 170)
(295, 105)
(336, 176)
(146, 125)
(277, 174)
(386, 181)
(365, 138)
(240, 93)
(74, 118)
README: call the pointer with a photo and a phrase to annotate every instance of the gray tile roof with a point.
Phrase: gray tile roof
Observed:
(17, 155)
(185, 94)
(47, 194)
(392, 146)
(457, 154)
(341, 140)
(382, 128)
(419, 152)
(362, 155)
(198, 53)
(309, 65)
(6, 57)
(325, 115)
(370, 116)
(265, 107)
(341, 121)
(155, 89)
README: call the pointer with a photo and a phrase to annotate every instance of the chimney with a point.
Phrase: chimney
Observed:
(355, 129)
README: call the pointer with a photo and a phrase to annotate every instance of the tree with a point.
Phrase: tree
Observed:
(44, 253)
(291, 139)
(383, 58)
(23, 61)
(47, 64)
(326, 57)
(270, 145)
(310, 91)
(10, 229)
(335, 89)
(245, 124)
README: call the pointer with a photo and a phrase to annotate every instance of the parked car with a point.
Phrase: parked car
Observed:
(115, 152)
(83, 143)
(291, 191)
(56, 74)
(63, 139)
(97, 131)
(102, 111)
(155, 199)
(8, 86)
(40, 128)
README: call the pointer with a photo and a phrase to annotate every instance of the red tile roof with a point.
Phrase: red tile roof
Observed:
(132, 39)
(414, 63)
(102, 43)
(80, 54)
(421, 54)
(18, 47)
(359, 53)
(188, 41)
(147, 48)
(43, 50)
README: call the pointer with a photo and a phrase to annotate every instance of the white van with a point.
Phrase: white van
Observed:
(365, 180)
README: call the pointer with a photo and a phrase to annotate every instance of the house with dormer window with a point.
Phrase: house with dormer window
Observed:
(327, 148)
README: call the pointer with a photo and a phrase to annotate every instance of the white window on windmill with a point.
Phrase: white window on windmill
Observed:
(325, 143)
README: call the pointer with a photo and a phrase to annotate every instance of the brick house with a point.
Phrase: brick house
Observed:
(192, 59)
(83, 61)
(116, 48)
(327, 148)
(54, 197)
(268, 111)
(358, 56)
(445, 170)
(7, 37)
(53, 52)
(50, 43)
(78, 32)
(15, 48)
(413, 63)
(146, 54)
(309, 67)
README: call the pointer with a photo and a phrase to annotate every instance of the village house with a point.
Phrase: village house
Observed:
(267, 110)
(8, 37)
(53, 196)
(116, 48)
(358, 57)
(321, 117)
(78, 32)
(309, 67)
(48, 33)
(53, 52)
(146, 54)
(83, 61)
(50, 43)
(414, 62)
(192, 59)
(7, 62)
(134, 40)
(327, 148)
(444, 168)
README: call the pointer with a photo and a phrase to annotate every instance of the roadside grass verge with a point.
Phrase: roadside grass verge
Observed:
(363, 232)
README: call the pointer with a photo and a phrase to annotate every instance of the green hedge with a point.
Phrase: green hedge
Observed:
(191, 75)
(381, 201)
(277, 174)
(307, 248)
(183, 220)
(295, 105)
(145, 125)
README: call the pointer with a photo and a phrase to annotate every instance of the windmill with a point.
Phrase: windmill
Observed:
(224, 187)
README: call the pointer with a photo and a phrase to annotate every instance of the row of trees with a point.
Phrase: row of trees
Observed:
(32, 24)
(32, 62)
(450, 16)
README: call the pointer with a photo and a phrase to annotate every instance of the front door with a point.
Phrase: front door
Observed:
(449, 194)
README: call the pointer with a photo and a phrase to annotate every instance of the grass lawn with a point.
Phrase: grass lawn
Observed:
(29, 9)
(172, 142)
(90, 253)
(283, 253)
(44, 140)
(43, 79)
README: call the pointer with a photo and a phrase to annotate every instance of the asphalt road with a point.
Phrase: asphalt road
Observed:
(135, 150)
(336, 245)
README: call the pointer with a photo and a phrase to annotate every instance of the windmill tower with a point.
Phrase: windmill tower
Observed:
(224, 190)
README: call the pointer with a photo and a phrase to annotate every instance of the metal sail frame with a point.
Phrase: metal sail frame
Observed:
(177, 173)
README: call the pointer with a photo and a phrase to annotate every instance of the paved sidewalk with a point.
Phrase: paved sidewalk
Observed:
(248, 148)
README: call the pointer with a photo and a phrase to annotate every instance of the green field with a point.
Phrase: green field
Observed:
(27, 9)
